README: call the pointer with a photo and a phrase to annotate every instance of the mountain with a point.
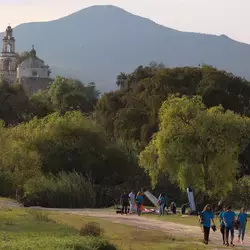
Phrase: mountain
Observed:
(99, 42)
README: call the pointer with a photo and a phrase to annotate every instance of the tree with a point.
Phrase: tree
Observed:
(18, 161)
(121, 80)
(148, 87)
(14, 103)
(41, 104)
(242, 191)
(196, 146)
(68, 94)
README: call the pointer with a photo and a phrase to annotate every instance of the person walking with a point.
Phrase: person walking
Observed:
(132, 202)
(125, 203)
(206, 217)
(242, 219)
(229, 220)
(139, 202)
(222, 224)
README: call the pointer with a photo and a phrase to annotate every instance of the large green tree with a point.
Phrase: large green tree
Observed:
(68, 94)
(64, 95)
(197, 146)
(131, 113)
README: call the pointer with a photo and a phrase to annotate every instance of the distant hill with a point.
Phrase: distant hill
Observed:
(97, 43)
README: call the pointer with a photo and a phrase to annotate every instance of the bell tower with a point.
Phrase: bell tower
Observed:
(8, 57)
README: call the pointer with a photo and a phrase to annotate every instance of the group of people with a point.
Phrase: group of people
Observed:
(130, 201)
(133, 203)
(228, 222)
(163, 202)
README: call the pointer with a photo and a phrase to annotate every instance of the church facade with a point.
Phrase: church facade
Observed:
(32, 73)
(8, 57)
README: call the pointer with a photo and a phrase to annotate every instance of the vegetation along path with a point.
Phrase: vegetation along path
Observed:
(171, 228)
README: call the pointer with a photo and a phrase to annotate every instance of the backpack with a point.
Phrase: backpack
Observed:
(201, 219)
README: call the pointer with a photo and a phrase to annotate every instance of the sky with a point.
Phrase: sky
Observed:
(229, 17)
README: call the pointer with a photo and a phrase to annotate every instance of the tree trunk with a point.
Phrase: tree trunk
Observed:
(206, 185)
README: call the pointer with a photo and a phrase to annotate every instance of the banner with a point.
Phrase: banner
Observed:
(152, 198)
(191, 199)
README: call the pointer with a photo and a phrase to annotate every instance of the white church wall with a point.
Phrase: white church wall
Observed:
(32, 72)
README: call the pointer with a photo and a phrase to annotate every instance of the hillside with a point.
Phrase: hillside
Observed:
(96, 43)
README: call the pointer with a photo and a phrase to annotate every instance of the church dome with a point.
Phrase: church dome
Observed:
(33, 63)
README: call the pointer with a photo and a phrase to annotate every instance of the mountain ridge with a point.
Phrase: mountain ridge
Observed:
(102, 41)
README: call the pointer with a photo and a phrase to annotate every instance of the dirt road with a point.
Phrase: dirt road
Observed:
(154, 224)
(139, 222)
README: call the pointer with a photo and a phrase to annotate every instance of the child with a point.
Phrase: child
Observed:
(205, 219)
(242, 218)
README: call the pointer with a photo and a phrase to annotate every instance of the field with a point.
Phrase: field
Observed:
(23, 230)
(30, 229)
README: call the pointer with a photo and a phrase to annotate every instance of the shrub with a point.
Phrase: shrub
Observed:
(40, 216)
(6, 186)
(92, 229)
(66, 190)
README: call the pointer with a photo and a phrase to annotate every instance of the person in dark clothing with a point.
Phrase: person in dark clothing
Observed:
(206, 217)
(173, 207)
(125, 203)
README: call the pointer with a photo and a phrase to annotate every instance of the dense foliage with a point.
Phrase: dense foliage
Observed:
(197, 146)
(69, 134)
(70, 143)
(132, 112)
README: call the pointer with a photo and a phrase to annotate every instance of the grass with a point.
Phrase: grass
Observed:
(34, 229)
(129, 238)
(24, 230)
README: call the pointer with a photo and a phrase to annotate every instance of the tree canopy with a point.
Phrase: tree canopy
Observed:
(132, 112)
(197, 146)
(188, 123)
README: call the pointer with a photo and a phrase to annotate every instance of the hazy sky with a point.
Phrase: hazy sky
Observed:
(230, 17)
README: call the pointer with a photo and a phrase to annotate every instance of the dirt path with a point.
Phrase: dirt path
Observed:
(139, 222)
(8, 203)
(154, 224)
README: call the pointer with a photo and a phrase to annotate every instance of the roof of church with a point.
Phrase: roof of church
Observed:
(33, 63)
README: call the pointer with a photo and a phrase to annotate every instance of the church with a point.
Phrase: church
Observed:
(32, 73)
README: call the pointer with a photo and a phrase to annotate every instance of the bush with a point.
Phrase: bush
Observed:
(40, 216)
(6, 186)
(70, 190)
(92, 229)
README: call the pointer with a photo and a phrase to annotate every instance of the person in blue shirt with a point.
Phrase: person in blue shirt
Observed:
(206, 217)
(139, 202)
(222, 224)
(229, 220)
(242, 219)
